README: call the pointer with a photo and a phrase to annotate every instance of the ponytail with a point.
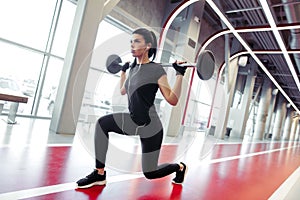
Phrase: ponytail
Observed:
(153, 49)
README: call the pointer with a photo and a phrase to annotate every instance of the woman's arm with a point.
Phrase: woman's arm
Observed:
(122, 81)
(171, 95)
(123, 78)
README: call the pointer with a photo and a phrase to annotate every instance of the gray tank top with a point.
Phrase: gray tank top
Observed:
(141, 87)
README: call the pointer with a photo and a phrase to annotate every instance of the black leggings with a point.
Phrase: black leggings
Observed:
(151, 136)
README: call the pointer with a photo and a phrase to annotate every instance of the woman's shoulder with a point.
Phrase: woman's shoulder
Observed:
(155, 64)
(156, 68)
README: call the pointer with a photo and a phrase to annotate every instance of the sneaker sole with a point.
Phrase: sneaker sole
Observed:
(92, 184)
(186, 169)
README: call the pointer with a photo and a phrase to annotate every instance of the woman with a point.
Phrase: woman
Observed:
(141, 86)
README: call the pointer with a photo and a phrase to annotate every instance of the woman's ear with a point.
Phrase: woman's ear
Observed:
(149, 46)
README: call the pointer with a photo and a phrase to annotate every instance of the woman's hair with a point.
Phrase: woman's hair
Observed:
(149, 37)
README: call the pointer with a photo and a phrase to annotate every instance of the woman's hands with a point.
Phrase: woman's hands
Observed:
(125, 66)
(180, 70)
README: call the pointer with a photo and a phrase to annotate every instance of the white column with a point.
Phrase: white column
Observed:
(288, 125)
(225, 107)
(263, 108)
(297, 134)
(280, 114)
(271, 113)
(295, 122)
(241, 116)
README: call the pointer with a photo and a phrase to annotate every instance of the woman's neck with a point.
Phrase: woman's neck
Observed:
(143, 60)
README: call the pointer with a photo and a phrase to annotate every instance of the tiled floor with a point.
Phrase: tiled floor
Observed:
(38, 164)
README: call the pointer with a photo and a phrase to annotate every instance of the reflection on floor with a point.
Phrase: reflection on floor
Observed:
(38, 164)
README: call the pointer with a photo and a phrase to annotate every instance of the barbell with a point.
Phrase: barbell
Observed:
(205, 64)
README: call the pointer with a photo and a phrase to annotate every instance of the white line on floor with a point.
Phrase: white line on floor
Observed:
(245, 155)
(22, 194)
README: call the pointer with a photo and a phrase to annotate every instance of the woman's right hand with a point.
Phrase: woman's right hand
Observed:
(125, 66)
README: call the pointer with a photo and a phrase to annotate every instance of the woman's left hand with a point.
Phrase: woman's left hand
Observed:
(180, 70)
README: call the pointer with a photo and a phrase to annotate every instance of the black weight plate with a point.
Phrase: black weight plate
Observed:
(205, 65)
(113, 63)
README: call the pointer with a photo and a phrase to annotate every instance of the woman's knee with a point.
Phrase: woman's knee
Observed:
(101, 126)
(101, 120)
(149, 175)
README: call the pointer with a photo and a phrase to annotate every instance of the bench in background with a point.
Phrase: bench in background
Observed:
(13, 106)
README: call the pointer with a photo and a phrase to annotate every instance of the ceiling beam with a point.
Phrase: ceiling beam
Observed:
(253, 55)
(279, 40)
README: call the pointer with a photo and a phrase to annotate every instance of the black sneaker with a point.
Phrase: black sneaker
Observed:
(180, 175)
(92, 179)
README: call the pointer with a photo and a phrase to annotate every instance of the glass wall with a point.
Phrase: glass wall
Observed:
(63, 29)
(27, 22)
(33, 41)
(51, 81)
(21, 67)
(199, 104)
(54, 63)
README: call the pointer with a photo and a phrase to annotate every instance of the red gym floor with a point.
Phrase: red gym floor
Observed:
(36, 164)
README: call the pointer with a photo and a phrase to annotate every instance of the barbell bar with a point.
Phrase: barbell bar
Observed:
(205, 64)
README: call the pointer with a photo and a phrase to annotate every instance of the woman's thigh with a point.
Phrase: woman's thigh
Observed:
(150, 151)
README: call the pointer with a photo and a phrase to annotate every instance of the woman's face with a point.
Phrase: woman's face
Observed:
(139, 47)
